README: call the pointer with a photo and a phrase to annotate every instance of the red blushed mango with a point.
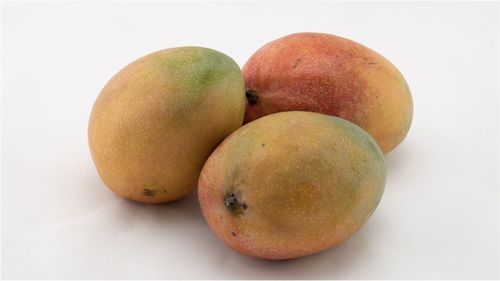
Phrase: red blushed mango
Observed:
(330, 75)
(291, 184)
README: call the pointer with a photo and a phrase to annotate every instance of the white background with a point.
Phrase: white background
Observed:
(439, 217)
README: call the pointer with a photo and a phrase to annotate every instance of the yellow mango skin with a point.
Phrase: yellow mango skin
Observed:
(157, 120)
(291, 184)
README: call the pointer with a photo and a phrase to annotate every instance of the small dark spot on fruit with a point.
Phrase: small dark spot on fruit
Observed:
(263, 144)
(148, 192)
(252, 96)
(297, 63)
(372, 63)
(244, 206)
(233, 233)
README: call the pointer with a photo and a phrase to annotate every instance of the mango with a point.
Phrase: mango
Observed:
(291, 184)
(330, 75)
(157, 120)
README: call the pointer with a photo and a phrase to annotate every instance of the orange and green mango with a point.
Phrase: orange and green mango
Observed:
(157, 120)
(291, 184)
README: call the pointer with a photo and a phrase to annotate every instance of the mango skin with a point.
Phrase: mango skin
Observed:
(157, 120)
(331, 75)
(291, 184)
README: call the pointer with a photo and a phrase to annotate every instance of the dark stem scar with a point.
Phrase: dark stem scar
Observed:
(148, 192)
(233, 233)
(231, 201)
(234, 205)
(252, 96)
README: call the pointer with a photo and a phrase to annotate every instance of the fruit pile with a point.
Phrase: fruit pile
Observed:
(303, 173)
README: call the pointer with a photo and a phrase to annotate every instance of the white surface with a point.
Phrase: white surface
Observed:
(439, 217)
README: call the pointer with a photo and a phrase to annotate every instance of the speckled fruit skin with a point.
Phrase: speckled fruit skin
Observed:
(330, 75)
(156, 121)
(291, 184)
